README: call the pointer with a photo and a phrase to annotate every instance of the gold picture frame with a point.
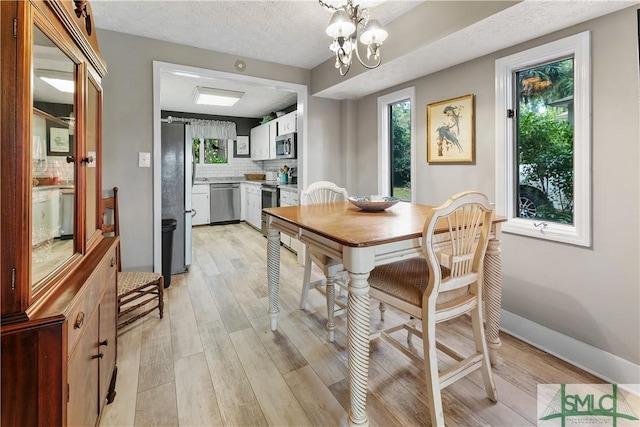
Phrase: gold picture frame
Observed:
(451, 130)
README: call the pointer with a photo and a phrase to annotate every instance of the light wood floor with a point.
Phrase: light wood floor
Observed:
(213, 361)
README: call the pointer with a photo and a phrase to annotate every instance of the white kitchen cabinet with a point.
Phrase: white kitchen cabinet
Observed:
(288, 123)
(260, 142)
(263, 141)
(273, 132)
(289, 197)
(253, 207)
(45, 214)
(243, 201)
(285, 200)
(296, 245)
(201, 204)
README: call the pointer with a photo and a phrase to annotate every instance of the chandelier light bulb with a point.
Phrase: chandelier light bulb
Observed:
(373, 33)
(340, 25)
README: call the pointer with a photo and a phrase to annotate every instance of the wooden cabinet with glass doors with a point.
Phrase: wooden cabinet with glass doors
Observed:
(57, 271)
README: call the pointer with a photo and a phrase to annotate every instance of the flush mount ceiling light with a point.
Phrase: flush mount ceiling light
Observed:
(58, 79)
(209, 96)
(349, 21)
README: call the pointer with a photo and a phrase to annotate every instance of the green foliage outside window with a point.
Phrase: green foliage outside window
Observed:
(215, 151)
(401, 149)
(546, 159)
(196, 150)
(545, 141)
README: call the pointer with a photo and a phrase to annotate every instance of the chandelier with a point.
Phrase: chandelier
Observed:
(349, 21)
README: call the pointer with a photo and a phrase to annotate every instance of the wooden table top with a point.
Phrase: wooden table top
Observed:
(350, 226)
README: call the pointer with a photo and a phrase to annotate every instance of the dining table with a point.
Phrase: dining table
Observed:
(361, 240)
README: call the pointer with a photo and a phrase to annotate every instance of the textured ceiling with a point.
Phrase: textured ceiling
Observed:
(292, 33)
(285, 32)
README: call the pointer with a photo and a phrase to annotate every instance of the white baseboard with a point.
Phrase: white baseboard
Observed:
(600, 363)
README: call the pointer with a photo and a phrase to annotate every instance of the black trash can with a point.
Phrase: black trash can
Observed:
(168, 227)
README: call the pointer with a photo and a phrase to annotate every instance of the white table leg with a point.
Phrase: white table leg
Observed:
(358, 347)
(273, 275)
(493, 297)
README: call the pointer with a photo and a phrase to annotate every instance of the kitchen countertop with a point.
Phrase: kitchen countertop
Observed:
(51, 187)
(293, 187)
(221, 180)
(234, 180)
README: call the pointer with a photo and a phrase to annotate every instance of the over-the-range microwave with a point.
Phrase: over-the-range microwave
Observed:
(286, 146)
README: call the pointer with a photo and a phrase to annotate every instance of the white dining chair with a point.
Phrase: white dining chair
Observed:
(333, 270)
(443, 285)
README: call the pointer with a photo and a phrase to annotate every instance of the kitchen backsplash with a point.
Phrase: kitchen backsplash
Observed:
(56, 167)
(239, 167)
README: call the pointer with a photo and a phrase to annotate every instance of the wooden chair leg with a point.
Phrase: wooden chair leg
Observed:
(481, 347)
(382, 307)
(161, 296)
(306, 284)
(409, 333)
(432, 374)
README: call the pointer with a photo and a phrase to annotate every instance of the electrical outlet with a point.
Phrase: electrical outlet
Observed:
(144, 160)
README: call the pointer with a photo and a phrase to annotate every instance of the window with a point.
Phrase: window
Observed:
(210, 151)
(215, 151)
(196, 150)
(396, 148)
(543, 141)
(400, 149)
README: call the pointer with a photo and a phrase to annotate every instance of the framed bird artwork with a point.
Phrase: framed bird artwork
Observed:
(451, 131)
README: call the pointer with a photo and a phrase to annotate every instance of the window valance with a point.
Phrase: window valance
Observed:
(213, 129)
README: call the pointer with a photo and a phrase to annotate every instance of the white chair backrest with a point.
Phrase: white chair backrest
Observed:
(467, 219)
(323, 192)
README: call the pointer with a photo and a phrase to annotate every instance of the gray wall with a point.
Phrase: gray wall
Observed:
(324, 146)
(128, 124)
(590, 294)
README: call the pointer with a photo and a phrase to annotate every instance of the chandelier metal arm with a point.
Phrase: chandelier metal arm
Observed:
(371, 67)
(328, 6)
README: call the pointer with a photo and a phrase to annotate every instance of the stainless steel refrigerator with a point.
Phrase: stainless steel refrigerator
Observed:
(177, 180)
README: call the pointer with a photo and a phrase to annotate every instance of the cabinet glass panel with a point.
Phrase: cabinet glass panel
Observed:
(52, 157)
(93, 105)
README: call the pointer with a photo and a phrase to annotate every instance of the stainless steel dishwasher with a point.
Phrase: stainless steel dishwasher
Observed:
(225, 203)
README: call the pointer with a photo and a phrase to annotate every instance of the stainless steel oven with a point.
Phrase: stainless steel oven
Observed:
(270, 199)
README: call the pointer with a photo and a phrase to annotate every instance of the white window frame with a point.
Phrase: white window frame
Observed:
(384, 144)
(578, 233)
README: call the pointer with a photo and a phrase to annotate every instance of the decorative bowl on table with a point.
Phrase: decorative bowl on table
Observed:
(373, 203)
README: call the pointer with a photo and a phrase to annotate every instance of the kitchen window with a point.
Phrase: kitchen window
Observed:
(543, 141)
(396, 147)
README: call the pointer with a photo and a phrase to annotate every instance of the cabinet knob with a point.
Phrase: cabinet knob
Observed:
(71, 159)
(113, 261)
(79, 320)
(98, 356)
(104, 343)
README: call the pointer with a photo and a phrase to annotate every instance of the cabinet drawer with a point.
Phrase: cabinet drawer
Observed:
(200, 189)
(89, 297)
(43, 195)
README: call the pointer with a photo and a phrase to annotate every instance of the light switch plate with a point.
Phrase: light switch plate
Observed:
(144, 160)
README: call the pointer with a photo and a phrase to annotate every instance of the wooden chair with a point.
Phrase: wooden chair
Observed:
(318, 193)
(447, 283)
(135, 289)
